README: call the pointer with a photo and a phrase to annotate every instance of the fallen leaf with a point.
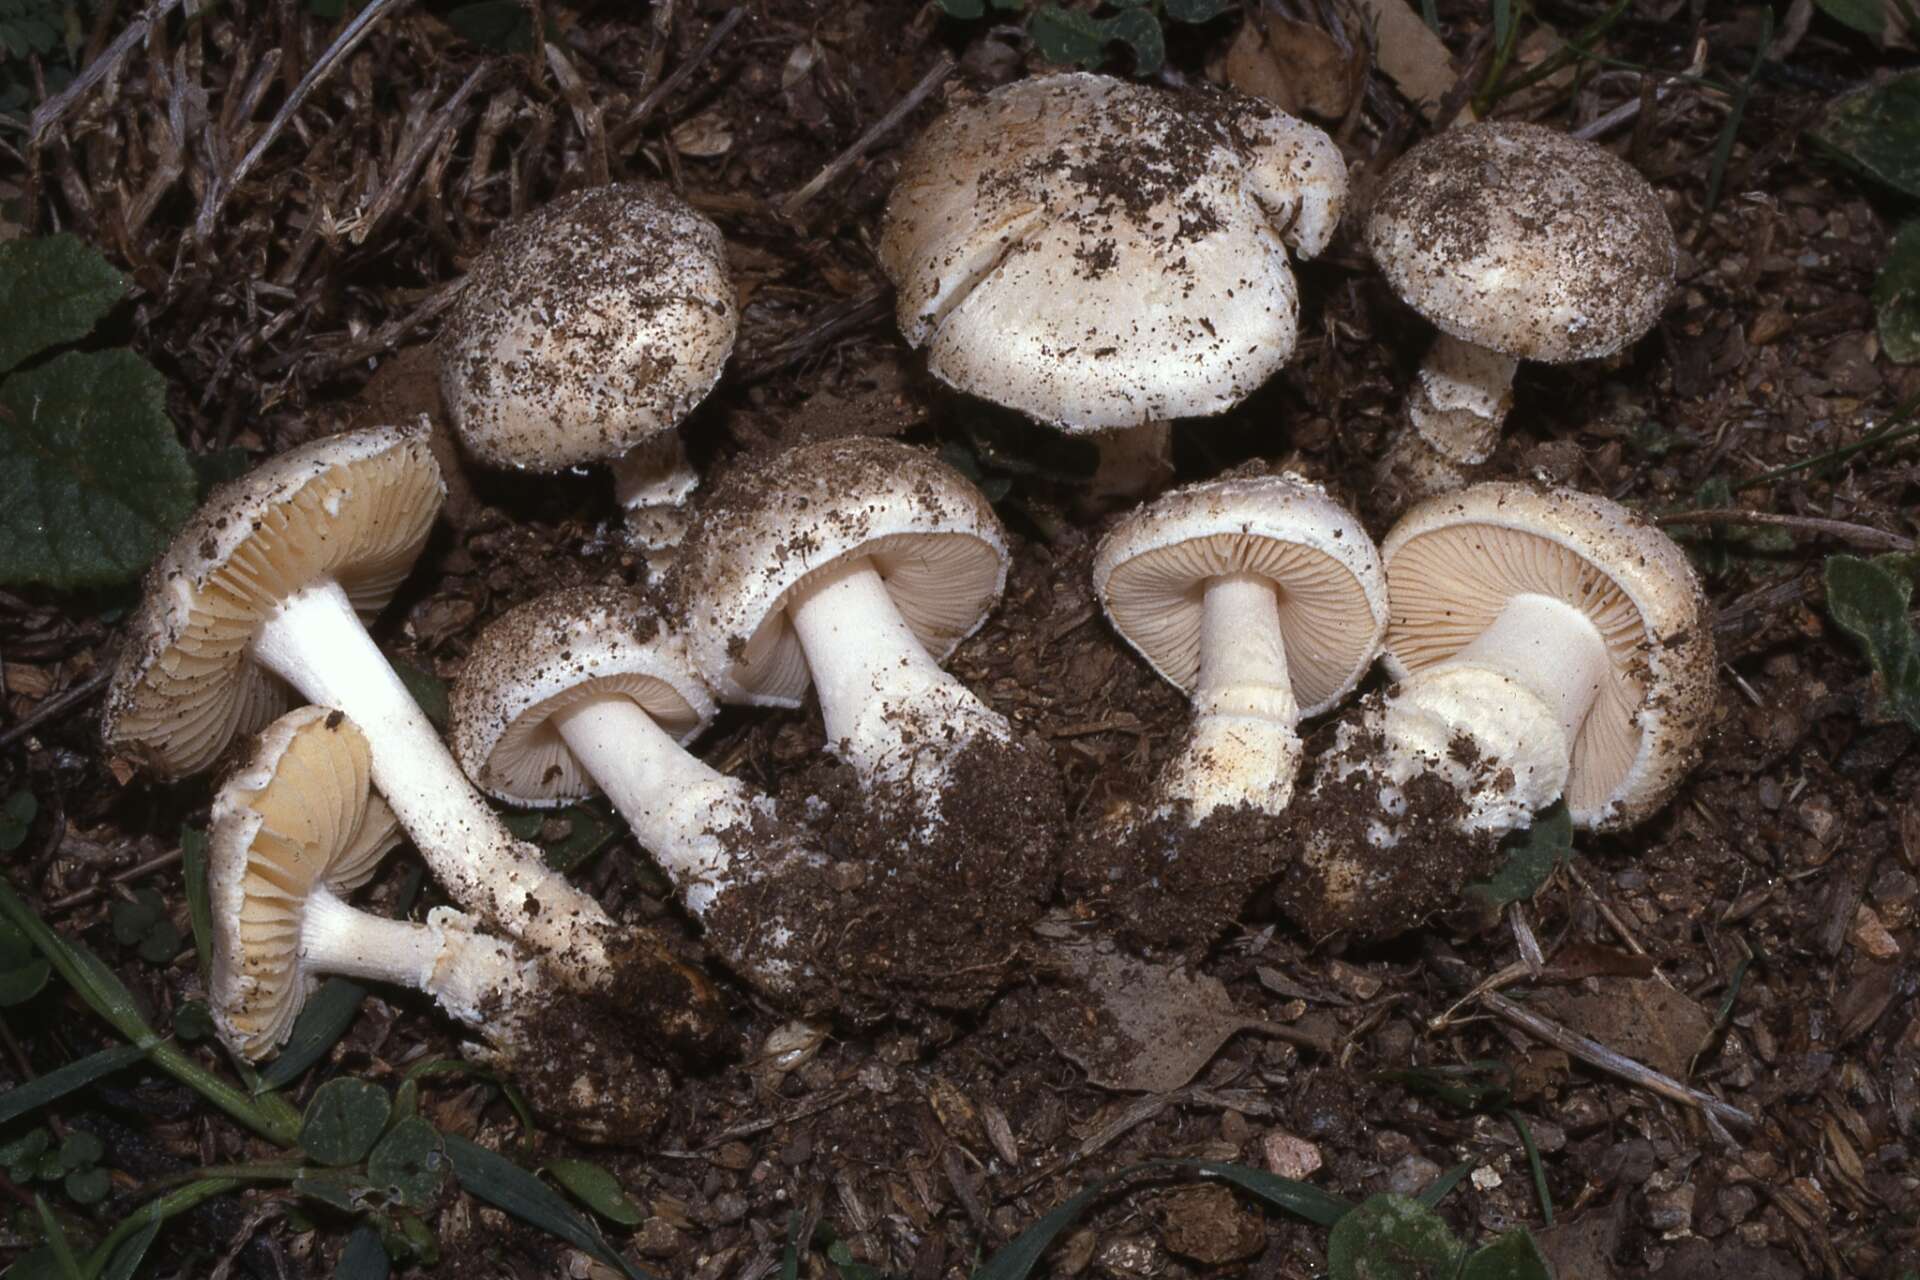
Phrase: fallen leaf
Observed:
(705, 136)
(1409, 52)
(1210, 1226)
(1643, 1018)
(1293, 65)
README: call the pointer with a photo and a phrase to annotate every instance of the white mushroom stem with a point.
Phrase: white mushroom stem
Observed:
(1243, 747)
(1135, 462)
(316, 643)
(891, 711)
(678, 806)
(652, 482)
(1461, 398)
(1520, 692)
(478, 979)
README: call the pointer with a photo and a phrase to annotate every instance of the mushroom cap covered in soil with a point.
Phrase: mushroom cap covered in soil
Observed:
(545, 657)
(1525, 241)
(1099, 254)
(773, 523)
(355, 507)
(588, 326)
(1455, 561)
(1326, 571)
(299, 815)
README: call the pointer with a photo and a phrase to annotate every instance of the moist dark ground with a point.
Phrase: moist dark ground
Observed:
(1779, 887)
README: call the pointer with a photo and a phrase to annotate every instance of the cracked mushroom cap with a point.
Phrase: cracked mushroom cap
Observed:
(1151, 570)
(1526, 241)
(588, 326)
(355, 507)
(771, 525)
(553, 653)
(300, 814)
(1099, 254)
(1455, 560)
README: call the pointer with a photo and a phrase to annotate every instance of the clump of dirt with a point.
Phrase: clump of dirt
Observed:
(1163, 882)
(591, 1067)
(652, 989)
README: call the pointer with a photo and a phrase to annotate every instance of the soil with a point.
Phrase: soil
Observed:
(1778, 895)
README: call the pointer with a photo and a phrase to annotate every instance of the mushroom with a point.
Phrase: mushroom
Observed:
(587, 331)
(857, 566)
(271, 578)
(1548, 644)
(1103, 256)
(295, 829)
(589, 688)
(1518, 243)
(1263, 600)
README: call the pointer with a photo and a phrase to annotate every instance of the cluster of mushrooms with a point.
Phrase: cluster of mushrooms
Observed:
(1105, 258)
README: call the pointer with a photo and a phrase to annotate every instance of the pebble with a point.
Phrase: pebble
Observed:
(1290, 1157)
(1411, 1175)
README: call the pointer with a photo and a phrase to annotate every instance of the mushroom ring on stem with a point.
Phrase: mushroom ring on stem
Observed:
(1103, 256)
(265, 588)
(1517, 242)
(589, 688)
(1260, 598)
(295, 830)
(587, 331)
(857, 566)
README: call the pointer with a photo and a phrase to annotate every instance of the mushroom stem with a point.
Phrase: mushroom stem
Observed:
(678, 806)
(316, 643)
(1243, 748)
(1520, 692)
(1135, 462)
(887, 704)
(1461, 398)
(652, 482)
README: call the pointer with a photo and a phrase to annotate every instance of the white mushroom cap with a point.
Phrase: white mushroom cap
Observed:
(588, 326)
(1098, 254)
(1151, 568)
(298, 816)
(1524, 240)
(356, 507)
(1455, 561)
(770, 526)
(549, 655)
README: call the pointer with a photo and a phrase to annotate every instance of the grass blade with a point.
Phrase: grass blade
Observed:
(1438, 1189)
(57, 1241)
(318, 1028)
(35, 1094)
(490, 1176)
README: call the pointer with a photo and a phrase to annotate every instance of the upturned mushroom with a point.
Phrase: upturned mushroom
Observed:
(857, 566)
(1548, 644)
(586, 332)
(1263, 600)
(295, 829)
(1517, 242)
(589, 688)
(261, 595)
(1104, 257)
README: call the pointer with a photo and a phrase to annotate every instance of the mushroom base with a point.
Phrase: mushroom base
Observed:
(903, 920)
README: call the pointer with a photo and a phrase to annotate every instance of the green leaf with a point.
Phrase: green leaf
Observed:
(37, 1093)
(1067, 36)
(966, 10)
(599, 1190)
(408, 1240)
(1869, 16)
(567, 837)
(81, 1150)
(428, 690)
(87, 1186)
(92, 478)
(192, 1021)
(1441, 1187)
(1139, 30)
(1532, 856)
(345, 1189)
(30, 1145)
(1878, 129)
(193, 863)
(364, 1258)
(16, 820)
(1896, 297)
(500, 25)
(21, 984)
(132, 919)
(1513, 1256)
(162, 942)
(344, 1120)
(319, 1027)
(1870, 599)
(1390, 1237)
(1470, 1086)
(65, 1264)
(53, 290)
(1197, 10)
(131, 1252)
(491, 1177)
(410, 1164)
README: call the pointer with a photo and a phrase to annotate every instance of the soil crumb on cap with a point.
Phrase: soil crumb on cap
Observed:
(898, 919)
(1161, 883)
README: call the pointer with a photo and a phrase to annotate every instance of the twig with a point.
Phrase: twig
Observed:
(50, 112)
(58, 705)
(935, 77)
(385, 338)
(1595, 1054)
(1858, 535)
(83, 896)
(620, 137)
(842, 317)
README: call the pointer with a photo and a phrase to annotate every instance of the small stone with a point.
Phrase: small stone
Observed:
(1484, 1178)
(1290, 1157)
(1411, 1175)
(1770, 325)
(732, 1155)
(1127, 1256)
(1671, 1212)
(1211, 1226)
(657, 1238)
(1871, 936)
(1353, 982)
